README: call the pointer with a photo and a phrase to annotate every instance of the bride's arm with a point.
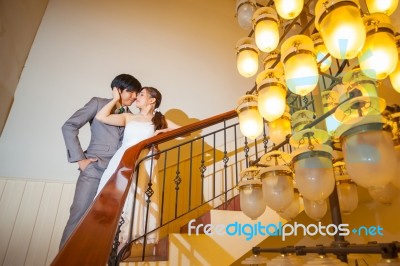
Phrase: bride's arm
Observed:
(105, 116)
(171, 126)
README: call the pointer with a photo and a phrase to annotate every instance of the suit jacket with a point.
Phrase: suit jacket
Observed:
(105, 139)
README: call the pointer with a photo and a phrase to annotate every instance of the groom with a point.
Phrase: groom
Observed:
(104, 142)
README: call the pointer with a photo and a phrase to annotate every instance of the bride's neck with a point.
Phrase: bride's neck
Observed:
(148, 112)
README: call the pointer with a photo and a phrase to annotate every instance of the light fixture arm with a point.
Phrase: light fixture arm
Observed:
(387, 250)
(310, 125)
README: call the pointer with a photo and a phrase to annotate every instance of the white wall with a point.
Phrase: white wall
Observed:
(185, 48)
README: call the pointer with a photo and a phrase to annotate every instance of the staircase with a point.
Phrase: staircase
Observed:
(197, 180)
(207, 248)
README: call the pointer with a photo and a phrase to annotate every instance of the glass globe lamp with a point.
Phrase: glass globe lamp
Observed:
(279, 129)
(301, 70)
(385, 194)
(343, 37)
(395, 119)
(247, 57)
(277, 180)
(286, 260)
(266, 30)
(321, 52)
(348, 196)
(395, 78)
(368, 151)
(290, 28)
(378, 57)
(395, 75)
(396, 180)
(271, 61)
(379, 6)
(251, 123)
(355, 79)
(324, 260)
(300, 119)
(289, 9)
(313, 164)
(315, 209)
(389, 262)
(244, 12)
(346, 189)
(255, 259)
(293, 209)
(271, 91)
(330, 99)
(252, 202)
(357, 108)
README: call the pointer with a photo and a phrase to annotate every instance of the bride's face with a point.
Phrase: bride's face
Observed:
(143, 99)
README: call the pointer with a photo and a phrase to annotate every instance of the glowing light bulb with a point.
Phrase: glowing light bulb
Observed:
(395, 78)
(343, 37)
(251, 123)
(266, 29)
(247, 57)
(378, 58)
(279, 129)
(271, 94)
(395, 75)
(289, 9)
(321, 52)
(301, 70)
(383, 6)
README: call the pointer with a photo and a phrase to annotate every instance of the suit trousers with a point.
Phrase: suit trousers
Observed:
(85, 191)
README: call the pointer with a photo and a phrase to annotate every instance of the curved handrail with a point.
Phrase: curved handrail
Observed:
(91, 242)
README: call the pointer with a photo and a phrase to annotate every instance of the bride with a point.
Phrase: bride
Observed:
(147, 123)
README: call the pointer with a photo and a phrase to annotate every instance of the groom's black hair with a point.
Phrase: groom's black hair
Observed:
(126, 82)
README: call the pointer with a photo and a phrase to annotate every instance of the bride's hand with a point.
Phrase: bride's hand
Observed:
(116, 94)
(159, 131)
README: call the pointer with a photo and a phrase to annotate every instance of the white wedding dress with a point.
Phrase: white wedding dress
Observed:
(134, 133)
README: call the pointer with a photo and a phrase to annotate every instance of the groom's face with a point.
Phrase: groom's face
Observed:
(128, 97)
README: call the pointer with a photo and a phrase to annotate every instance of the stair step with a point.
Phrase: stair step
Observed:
(232, 204)
(200, 249)
(159, 251)
(153, 252)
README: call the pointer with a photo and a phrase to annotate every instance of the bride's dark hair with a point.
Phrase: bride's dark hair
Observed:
(158, 120)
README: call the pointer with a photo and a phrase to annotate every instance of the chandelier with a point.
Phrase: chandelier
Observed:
(292, 49)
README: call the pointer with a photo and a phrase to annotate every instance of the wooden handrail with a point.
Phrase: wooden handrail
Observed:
(91, 242)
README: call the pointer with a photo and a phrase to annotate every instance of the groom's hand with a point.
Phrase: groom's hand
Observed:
(85, 162)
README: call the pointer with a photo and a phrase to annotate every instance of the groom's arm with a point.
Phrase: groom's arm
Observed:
(71, 127)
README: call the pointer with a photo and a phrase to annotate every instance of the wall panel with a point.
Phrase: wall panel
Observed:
(24, 224)
(9, 208)
(33, 216)
(62, 215)
(44, 225)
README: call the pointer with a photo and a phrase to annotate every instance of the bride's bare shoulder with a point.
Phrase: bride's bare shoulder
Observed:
(139, 118)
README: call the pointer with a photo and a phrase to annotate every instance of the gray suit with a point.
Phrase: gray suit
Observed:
(104, 142)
